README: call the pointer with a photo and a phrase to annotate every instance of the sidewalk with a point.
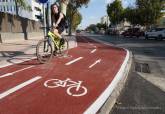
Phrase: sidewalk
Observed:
(17, 51)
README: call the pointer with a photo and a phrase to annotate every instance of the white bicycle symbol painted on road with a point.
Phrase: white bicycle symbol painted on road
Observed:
(74, 88)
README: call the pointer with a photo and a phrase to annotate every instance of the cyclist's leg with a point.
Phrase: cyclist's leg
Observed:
(60, 30)
(56, 32)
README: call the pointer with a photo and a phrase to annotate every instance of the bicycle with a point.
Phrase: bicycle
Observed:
(74, 88)
(50, 46)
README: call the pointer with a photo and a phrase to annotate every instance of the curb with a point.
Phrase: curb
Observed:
(107, 99)
(107, 107)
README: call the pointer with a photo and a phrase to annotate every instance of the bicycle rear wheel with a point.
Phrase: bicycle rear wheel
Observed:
(63, 48)
(44, 51)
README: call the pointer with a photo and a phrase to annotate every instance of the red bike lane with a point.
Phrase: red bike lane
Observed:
(93, 63)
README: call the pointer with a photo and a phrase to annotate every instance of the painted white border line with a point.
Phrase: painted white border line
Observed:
(16, 88)
(94, 50)
(73, 61)
(93, 109)
(11, 73)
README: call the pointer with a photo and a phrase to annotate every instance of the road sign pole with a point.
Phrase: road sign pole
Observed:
(44, 18)
(44, 15)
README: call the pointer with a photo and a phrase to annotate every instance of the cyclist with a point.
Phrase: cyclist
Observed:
(58, 21)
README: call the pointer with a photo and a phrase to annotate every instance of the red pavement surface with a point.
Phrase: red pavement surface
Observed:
(35, 98)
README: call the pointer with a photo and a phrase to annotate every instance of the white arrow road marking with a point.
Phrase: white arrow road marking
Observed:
(9, 74)
(73, 61)
(16, 88)
(93, 51)
(96, 62)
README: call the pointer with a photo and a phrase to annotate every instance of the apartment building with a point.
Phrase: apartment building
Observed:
(105, 20)
(8, 6)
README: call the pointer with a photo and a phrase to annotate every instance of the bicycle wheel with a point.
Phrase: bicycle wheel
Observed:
(72, 91)
(44, 51)
(63, 48)
(52, 83)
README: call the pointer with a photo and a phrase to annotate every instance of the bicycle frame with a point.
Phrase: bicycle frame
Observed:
(54, 39)
(68, 82)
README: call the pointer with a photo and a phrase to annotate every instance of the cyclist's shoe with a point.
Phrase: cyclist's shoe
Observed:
(54, 53)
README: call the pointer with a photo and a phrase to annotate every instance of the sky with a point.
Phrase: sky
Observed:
(97, 9)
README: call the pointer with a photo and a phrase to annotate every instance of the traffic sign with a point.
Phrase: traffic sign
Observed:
(42, 1)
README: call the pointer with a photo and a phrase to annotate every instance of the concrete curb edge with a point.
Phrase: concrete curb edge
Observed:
(107, 99)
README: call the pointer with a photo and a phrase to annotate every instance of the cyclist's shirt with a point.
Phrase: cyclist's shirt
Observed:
(62, 22)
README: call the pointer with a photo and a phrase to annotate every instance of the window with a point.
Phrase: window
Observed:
(11, 8)
(14, 8)
(4, 8)
(7, 8)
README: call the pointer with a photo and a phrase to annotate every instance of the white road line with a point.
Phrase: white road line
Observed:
(96, 62)
(93, 51)
(16, 88)
(11, 73)
(16, 62)
(73, 61)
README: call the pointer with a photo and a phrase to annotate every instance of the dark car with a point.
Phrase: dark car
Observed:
(133, 32)
(78, 31)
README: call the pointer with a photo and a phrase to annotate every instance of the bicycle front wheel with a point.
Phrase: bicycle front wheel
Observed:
(63, 48)
(44, 51)
(73, 91)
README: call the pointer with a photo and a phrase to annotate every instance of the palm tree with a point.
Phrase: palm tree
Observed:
(21, 4)
(24, 22)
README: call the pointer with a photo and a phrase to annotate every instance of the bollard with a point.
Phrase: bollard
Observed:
(0, 39)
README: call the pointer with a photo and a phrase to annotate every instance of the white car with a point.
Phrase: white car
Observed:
(158, 33)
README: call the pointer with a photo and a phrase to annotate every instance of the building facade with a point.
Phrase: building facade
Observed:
(105, 20)
(24, 21)
(8, 6)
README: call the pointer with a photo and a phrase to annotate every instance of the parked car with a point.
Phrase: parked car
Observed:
(78, 31)
(133, 32)
(157, 33)
(102, 31)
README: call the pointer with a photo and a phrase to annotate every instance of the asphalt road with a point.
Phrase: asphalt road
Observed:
(144, 92)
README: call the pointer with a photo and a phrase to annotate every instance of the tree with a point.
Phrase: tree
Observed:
(77, 18)
(24, 23)
(73, 6)
(149, 11)
(146, 12)
(23, 5)
(131, 15)
(99, 26)
(91, 27)
(115, 12)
